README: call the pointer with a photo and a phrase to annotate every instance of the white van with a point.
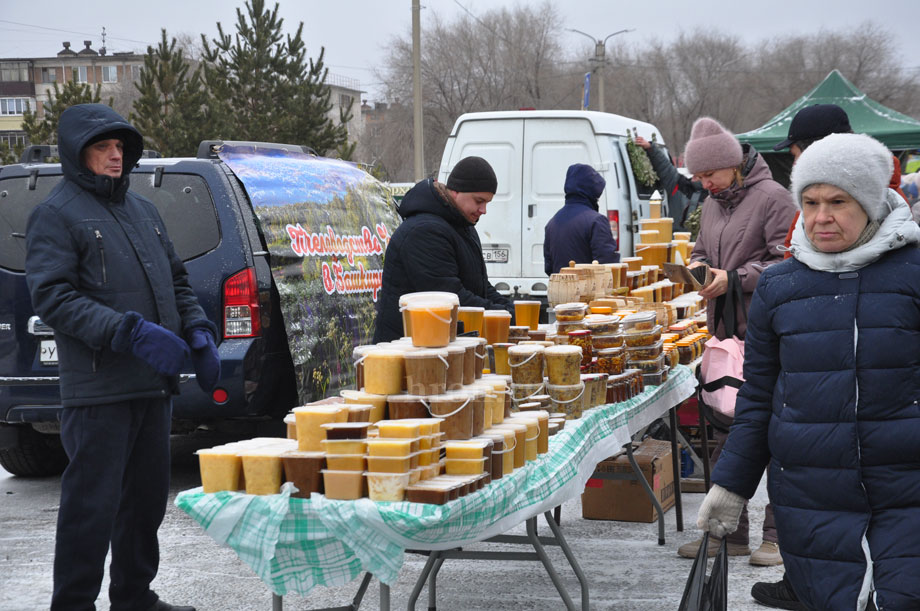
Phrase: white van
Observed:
(530, 151)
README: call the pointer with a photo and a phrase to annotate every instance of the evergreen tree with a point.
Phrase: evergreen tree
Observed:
(10, 155)
(263, 87)
(44, 130)
(171, 112)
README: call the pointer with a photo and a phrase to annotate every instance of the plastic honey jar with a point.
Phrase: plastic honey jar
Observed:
(507, 451)
(526, 364)
(308, 420)
(384, 371)
(471, 317)
(500, 356)
(532, 438)
(527, 313)
(220, 469)
(377, 402)
(431, 321)
(496, 324)
(563, 364)
(520, 440)
(440, 296)
(426, 372)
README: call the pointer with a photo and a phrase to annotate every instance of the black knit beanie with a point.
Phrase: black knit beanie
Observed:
(472, 175)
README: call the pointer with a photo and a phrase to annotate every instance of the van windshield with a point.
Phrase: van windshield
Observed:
(183, 201)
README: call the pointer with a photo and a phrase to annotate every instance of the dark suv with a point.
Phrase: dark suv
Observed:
(216, 231)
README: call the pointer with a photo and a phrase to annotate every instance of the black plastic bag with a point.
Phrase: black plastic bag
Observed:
(702, 592)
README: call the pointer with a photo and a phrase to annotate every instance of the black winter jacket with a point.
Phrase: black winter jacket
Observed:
(434, 249)
(96, 251)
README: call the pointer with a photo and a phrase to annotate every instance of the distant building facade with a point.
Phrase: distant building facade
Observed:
(25, 84)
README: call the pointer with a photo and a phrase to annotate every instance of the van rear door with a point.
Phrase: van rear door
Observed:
(498, 141)
(550, 147)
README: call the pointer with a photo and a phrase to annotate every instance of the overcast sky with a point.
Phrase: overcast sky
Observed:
(355, 33)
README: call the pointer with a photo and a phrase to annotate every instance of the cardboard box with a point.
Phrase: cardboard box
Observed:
(624, 499)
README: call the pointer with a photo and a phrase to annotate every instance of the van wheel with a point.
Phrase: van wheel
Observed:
(34, 454)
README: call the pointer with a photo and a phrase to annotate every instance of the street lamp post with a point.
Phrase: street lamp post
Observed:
(600, 57)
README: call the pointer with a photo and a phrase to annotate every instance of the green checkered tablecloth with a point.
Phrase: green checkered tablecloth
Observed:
(295, 544)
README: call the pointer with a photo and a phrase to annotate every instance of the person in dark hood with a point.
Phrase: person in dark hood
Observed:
(578, 232)
(436, 248)
(103, 274)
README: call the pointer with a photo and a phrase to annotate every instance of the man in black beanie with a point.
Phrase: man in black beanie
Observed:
(436, 248)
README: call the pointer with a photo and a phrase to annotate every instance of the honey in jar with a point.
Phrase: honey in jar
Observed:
(384, 371)
(471, 317)
(431, 322)
(495, 326)
(527, 313)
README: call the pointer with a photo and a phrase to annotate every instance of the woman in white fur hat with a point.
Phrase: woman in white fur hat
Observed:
(830, 401)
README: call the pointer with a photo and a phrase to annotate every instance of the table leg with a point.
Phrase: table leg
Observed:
(277, 602)
(675, 465)
(573, 562)
(422, 578)
(648, 491)
(547, 564)
(433, 585)
(384, 597)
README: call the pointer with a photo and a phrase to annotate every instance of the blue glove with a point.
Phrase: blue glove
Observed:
(205, 359)
(157, 346)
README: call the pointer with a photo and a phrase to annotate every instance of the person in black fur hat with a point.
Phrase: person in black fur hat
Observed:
(437, 248)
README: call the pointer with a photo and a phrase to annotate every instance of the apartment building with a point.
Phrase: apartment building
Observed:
(26, 82)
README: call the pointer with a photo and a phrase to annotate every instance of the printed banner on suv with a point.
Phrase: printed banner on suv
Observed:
(327, 224)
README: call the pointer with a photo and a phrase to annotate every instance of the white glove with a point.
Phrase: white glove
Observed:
(720, 512)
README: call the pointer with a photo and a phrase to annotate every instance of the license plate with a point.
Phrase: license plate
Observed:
(495, 255)
(47, 354)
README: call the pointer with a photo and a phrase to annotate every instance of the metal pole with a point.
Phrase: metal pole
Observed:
(417, 134)
(601, 57)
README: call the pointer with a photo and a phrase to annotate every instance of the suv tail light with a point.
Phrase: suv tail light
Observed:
(614, 217)
(241, 305)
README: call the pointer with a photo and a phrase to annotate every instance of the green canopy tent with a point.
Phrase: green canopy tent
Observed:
(895, 130)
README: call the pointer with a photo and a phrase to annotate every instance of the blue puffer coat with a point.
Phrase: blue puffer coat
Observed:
(96, 251)
(578, 232)
(832, 370)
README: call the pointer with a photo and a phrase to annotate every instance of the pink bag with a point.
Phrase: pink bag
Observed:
(722, 374)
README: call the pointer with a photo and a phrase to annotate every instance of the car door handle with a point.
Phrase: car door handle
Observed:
(530, 210)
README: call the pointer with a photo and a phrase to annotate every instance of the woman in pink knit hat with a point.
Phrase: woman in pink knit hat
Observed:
(742, 227)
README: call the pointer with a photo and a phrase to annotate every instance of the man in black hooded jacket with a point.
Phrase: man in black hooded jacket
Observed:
(578, 232)
(436, 248)
(103, 274)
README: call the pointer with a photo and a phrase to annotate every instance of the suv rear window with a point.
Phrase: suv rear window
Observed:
(183, 201)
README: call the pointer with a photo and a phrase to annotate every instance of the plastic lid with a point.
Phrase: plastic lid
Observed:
(562, 350)
(416, 305)
(526, 349)
(638, 317)
(454, 348)
(450, 298)
(573, 305)
(612, 351)
(525, 301)
(384, 352)
(497, 313)
(471, 309)
(426, 353)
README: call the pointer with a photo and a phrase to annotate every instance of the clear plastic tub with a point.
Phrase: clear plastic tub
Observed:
(392, 447)
(407, 406)
(465, 466)
(526, 364)
(644, 337)
(345, 430)
(638, 321)
(304, 469)
(571, 311)
(426, 372)
(456, 355)
(343, 446)
(456, 410)
(409, 428)
(602, 342)
(391, 464)
(655, 378)
(344, 485)
(346, 462)
(645, 353)
(567, 398)
(384, 371)
(600, 324)
(649, 365)
(437, 296)
(562, 364)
